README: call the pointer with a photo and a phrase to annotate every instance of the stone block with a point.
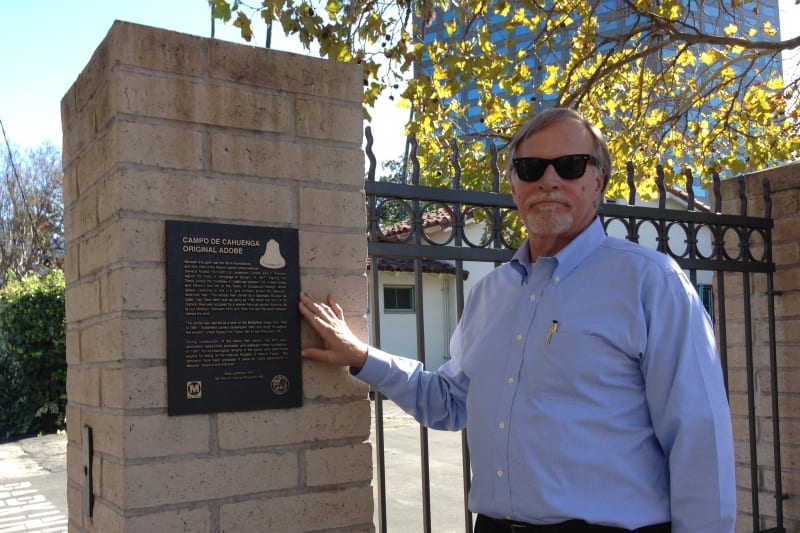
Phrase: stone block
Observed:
(71, 259)
(152, 436)
(314, 422)
(348, 509)
(329, 205)
(144, 338)
(321, 381)
(82, 301)
(173, 521)
(351, 292)
(159, 145)
(102, 341)
(108, 431)
(134, 388)
(281, 71)
(339, 464)
(256, 156)
(84, 385)
(82, 219)
(99, 251)
(323, 251)
(94, 164)
(73, 346)
(161, 483)
(70, 185)
(139, 288)
(329, 121)
(253, 109)
(156, 49)
(155, 95)
(75, 506)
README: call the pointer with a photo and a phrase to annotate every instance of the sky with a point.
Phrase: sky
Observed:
(45, 45)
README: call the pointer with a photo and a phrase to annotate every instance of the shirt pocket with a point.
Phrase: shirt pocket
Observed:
(575, 364)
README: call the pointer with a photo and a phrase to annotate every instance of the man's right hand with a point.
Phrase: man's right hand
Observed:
(342, 347)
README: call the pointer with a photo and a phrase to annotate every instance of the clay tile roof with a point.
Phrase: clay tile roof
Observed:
(406, 264)
(439, 217)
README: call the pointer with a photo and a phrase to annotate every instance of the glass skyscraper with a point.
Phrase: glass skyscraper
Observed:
(614, 18)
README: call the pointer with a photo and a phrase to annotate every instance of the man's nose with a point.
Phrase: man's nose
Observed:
(550, 179)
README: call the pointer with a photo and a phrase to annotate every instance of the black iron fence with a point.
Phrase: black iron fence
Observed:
(697, 236)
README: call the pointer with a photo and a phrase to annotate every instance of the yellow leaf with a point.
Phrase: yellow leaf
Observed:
(775, 84)
(708, 57)
(687, 58)
(439, 73)
(731, 29)
(769, 29)
(752, 32)
(502, 8)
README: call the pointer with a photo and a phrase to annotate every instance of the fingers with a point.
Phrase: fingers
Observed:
(335, 307)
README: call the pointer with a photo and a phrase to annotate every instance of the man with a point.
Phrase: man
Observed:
(585, 370)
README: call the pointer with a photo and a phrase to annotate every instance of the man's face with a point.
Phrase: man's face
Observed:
(554, 208)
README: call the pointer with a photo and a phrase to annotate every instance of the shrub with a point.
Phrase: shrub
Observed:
(33, 365)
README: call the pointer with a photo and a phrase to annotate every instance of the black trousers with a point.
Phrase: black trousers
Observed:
(485, 524)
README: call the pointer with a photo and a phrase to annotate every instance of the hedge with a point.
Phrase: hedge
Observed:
(33, 392)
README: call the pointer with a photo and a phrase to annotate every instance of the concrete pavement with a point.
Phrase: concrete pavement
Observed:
(33, 485)
(33, 480)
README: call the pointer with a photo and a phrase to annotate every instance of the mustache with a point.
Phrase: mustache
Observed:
(549, 197)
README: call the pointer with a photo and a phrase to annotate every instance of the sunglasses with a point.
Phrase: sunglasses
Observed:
(568, 167)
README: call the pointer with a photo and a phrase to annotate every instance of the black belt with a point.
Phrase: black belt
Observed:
(486, 524)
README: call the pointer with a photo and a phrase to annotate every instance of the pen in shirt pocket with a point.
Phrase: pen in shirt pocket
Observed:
(551, 331)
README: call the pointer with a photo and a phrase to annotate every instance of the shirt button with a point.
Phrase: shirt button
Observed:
(557, 279)
(533, 297)
(502, 425)
(510, 381)
(499, 473)
(519, 337)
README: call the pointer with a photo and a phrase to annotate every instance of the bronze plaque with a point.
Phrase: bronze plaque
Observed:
(233, 328)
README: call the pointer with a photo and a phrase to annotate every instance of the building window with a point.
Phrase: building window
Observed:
(398, 298)
(707, 296)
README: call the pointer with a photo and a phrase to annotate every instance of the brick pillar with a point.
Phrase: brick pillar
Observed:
(785, 195)
(159, 126)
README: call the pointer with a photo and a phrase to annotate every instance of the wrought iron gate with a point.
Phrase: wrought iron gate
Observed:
(737, 247)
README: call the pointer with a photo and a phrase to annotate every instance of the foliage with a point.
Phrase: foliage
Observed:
(31, 211)
(662, 89)
(32, 355)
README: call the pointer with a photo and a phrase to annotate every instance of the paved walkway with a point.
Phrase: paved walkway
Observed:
(33, 480)
(33, 485)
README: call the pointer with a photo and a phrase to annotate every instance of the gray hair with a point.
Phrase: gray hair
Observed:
(557, 114)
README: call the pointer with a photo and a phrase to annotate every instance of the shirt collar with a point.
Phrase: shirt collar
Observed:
(569, 257)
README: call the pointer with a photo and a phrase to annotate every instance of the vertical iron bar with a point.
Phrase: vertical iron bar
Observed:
(380, 443)
(662, 199)
(374, 235)
(723, 329)
(633, 232)
(370, 155)
(751, 406)
(773, 363)
(691, 238)
(460, 228)
(423, 431)
(719, 297)
(744, 253)
(419, 228)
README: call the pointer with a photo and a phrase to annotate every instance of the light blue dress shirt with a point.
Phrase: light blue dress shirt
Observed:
(590, 387)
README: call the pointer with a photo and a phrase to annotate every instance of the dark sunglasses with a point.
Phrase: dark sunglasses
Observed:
(569, 167)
